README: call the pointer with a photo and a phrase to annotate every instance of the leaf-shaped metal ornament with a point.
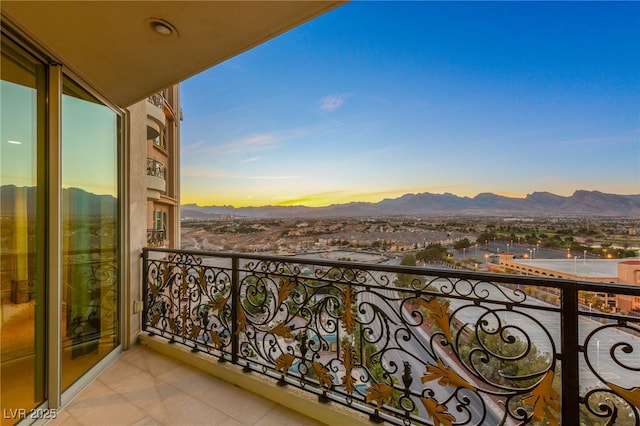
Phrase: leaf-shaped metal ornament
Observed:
(242, 320)
(195, 331)
(172, 325)
(155, 319)
(445, 377)
(348, 355)
(284, 362)
(379, 392)
(438, 313)
(285, 288)
(437, 412)
(543, 398)
(282, 330)
(184, 286)
(218, 304)
(324, 376)
(348, 317)
(216, 340)
(631, 395)
(184, 316)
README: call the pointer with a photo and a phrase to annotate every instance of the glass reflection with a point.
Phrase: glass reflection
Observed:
(90, 231)
(21, 222)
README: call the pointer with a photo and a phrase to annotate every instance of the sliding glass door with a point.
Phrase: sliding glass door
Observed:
(89, 231)
(22, 210)
(59, 231)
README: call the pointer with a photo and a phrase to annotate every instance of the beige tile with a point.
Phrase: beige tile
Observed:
(94, 389)
(145, 388)
(103, 406)
(183, 409)
(191, 380)
(147, 393)
(281, 416)
(244, 406)
(230, 422)
(134, 353)
(64, 418)
(154, 363)
(118, 372)
(147, 421)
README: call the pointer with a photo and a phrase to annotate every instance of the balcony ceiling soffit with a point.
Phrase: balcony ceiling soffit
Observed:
(111, 46)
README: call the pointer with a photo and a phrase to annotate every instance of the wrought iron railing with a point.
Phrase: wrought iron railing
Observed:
(156, 99)
(155, 237)
(156, 168)
(405, 344)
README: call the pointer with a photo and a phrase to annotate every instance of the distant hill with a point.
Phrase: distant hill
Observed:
(79, 202)
(580, 203)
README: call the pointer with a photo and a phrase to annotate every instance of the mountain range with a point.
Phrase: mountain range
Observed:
(537, 204)
(77, 202)
(580, 203)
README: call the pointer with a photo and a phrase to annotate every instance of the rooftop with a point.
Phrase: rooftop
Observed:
(581, 267)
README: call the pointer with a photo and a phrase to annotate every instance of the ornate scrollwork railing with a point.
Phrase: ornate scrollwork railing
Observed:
(156, 99)
(155, 237)
(156, 168)
(405, 345)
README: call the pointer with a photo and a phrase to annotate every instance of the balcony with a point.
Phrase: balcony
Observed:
(400, 344)
(155, 237)
(156, 120)
(156, 178)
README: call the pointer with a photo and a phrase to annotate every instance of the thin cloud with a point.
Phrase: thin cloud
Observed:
(252, 143)
(333, 102)
(627, 137)
(214, 173)
(250, 160)
(246, 145)
(206, 172)
(272, 177)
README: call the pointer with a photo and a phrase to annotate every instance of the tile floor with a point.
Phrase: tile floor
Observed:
(143, 387)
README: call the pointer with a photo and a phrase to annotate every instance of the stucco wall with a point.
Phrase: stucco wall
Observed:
(137, 231)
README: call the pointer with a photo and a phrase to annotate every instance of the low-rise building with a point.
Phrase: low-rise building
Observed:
(612, 271)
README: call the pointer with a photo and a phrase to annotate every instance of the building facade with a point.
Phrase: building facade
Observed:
(163, 168)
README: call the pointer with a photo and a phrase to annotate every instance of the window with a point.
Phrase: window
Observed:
(22, 190)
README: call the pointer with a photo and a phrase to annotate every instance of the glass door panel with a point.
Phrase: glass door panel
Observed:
(22, 222)
(89, 230)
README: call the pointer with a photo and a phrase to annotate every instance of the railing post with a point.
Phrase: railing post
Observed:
(570, 369)
(235, 301)
(145, 288)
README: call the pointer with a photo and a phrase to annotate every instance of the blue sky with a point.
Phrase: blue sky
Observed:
(377, 99)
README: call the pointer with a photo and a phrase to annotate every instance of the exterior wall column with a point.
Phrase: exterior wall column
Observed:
(137, 215)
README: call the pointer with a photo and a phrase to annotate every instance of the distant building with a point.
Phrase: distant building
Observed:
(629, 273)
(597, 270)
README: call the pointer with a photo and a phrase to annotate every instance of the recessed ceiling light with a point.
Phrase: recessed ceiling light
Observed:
(161, 27)
(15, 142)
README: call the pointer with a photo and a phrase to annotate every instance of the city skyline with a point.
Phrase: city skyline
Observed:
(378, 99)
